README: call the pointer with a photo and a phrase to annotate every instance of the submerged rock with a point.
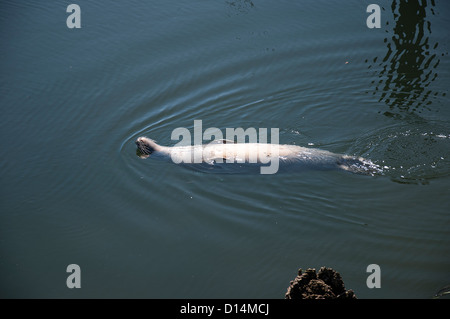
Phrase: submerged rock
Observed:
(326, 284)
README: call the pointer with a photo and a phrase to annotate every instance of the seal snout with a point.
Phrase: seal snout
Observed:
(145, 146)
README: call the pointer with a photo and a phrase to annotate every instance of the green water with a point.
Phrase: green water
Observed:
(73, 191)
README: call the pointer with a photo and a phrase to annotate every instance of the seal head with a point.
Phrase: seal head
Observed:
(145, 147)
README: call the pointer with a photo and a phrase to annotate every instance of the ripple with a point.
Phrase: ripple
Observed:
(411, 154)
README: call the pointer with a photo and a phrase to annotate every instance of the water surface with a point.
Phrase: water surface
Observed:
(74, 101)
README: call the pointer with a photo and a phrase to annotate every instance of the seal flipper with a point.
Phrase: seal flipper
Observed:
(218, 160)
(359, 165)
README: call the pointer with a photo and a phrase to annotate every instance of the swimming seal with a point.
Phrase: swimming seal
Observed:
(222, 154)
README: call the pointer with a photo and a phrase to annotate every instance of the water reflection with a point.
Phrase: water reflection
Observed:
(410, 64)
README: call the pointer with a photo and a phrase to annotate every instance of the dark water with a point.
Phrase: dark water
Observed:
(73, 191)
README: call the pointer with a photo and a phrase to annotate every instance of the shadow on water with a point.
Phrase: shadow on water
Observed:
(240, 6)
(411, 61)
(415, 149)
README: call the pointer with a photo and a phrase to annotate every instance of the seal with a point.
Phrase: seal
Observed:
(222, 154)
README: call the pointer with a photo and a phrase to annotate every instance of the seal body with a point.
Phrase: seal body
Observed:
(225, 156)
